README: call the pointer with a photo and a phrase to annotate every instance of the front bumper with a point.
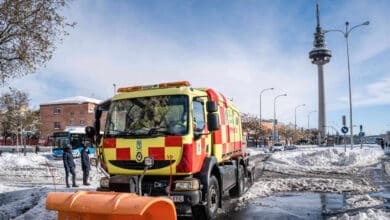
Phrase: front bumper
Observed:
(183, 199)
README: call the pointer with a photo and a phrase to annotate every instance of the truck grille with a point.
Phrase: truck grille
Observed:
(134, 165)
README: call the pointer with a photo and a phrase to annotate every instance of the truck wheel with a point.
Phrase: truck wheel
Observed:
(239, 188)
(213, 198)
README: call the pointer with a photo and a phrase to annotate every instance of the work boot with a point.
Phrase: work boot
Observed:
(74, 185)
(86, 184)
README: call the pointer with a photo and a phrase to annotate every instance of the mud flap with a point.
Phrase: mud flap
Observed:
(109, 205)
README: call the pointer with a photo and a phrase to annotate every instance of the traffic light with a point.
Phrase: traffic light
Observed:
(344, 120)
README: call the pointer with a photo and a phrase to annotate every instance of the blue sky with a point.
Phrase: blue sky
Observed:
(236, 47)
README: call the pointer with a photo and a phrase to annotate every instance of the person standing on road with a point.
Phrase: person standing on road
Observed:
(85, 164)
(69, 166)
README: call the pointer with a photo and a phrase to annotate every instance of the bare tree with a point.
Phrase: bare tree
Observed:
(29, 30)
(15, 114)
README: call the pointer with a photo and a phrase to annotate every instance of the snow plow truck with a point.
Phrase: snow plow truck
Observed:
(172, 144)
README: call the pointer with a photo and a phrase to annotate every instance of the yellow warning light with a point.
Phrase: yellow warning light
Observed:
(155, 86)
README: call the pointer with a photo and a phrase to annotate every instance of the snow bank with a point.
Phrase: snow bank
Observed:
(9, 161)
(359, 201)
(266, 187)
(255, 151)
(324, 160)
(367, 215)
(39, 170)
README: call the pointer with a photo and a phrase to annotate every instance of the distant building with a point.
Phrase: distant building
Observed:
(72, 111)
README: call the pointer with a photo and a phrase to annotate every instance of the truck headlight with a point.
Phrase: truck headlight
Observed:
(104, 182)
(187, 184)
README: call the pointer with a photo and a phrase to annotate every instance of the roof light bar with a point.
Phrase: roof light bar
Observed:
(155, 86)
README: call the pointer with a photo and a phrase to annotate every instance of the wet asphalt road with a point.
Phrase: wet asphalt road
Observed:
(310, 205)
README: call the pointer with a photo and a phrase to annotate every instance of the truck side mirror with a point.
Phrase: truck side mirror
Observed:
(213, 121)
(211, 106)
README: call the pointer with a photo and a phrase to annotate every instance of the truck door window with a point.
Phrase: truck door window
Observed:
(198, 115)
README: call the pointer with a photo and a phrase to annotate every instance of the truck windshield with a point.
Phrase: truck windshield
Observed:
(148, 116)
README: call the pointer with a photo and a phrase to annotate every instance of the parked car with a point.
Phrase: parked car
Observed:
(291, 147)
(277, 147)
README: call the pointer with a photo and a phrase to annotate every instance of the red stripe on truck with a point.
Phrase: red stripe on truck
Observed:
(158, 153)
(109, 143)
(173, 141)
(123, 154)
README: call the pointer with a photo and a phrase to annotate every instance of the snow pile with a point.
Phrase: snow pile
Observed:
(255, 151)
(367, 215)
(10, 161)
(266, 187)
(359, 201)
(20, 172)
(328, 160)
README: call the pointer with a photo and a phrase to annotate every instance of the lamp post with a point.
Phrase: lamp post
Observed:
(274, 122)
(346, 35)
(261, 93)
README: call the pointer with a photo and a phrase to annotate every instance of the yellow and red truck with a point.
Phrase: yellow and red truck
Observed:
(172, 140)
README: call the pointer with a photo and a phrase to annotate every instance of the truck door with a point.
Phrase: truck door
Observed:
(202, 141)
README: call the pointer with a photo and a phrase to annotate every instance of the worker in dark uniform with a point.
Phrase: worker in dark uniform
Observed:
(85, 164)
(69, 165)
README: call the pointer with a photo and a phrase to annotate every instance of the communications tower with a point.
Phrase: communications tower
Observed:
(320, 55)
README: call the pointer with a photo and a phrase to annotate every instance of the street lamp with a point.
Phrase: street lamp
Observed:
(274, 124)
(261, 93)
(308, 119)
(346, 34)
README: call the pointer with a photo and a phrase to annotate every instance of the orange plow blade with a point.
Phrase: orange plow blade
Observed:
(90, 205)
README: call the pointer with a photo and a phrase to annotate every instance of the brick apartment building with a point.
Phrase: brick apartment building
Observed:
(72, 111)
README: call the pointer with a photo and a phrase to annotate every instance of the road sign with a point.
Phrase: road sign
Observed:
(361, 134)
(344, 130)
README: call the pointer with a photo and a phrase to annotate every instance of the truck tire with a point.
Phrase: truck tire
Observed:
(212, 198)
(239, 188)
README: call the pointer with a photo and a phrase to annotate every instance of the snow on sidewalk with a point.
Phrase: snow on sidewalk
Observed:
(324, 160)
(20, 172)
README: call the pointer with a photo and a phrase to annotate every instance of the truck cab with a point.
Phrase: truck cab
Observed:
(193, 136)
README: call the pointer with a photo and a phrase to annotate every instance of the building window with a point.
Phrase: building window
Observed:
(71, 113)
(71, 122)
(57, 110)
(81, 122)
(57, 125)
